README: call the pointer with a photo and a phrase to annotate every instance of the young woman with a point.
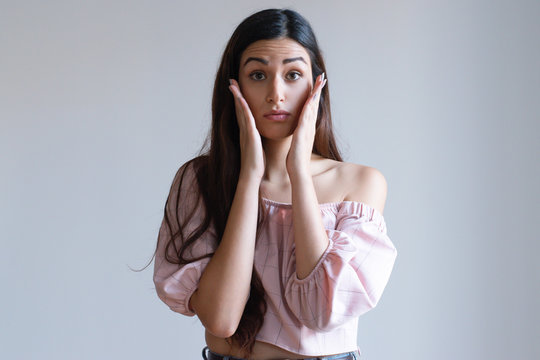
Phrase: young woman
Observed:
(275, 243)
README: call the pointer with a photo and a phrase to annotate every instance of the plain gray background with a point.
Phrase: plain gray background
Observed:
(102, 101)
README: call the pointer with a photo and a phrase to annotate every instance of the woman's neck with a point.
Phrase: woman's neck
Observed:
(275, 152)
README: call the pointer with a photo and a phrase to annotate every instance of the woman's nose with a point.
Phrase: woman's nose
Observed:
(276, 91)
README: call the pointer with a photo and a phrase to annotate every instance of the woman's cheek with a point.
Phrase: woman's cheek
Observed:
(303, 98)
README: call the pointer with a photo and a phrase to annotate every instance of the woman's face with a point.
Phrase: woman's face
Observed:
(275, 76)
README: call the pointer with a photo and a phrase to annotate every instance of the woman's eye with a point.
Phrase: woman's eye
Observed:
(294, 75)
(257, 75)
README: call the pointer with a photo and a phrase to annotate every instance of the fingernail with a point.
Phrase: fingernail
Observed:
(230, 81)
(322, 76)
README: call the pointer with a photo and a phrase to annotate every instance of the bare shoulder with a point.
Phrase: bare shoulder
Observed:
(364, 184)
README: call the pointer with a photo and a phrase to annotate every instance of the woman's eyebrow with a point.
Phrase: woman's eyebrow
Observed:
(265, 62)
(286, 61)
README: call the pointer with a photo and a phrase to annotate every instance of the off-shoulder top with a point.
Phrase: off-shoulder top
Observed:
(313, 316)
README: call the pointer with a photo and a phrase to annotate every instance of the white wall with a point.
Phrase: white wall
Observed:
(102, 101)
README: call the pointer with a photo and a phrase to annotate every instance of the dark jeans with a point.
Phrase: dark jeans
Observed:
(354, 355)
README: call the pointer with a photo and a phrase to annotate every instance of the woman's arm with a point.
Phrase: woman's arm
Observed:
(311, 239)
(224, 286)
(310, 236)
(365, 184)
(349, 277)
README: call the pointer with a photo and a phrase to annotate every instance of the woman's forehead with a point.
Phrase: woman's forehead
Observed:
(275, 49)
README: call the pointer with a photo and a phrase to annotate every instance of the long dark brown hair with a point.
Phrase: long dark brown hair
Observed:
(217, 168)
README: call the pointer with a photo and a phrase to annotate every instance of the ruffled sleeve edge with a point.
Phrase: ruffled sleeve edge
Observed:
(178, 303)
(308, 278)
(365, 212)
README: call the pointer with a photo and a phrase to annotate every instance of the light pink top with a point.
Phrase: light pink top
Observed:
(317, 315)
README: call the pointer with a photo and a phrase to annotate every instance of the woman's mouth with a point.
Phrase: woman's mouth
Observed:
(277, 115)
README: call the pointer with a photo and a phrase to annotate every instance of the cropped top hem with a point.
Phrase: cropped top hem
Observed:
(328, 351)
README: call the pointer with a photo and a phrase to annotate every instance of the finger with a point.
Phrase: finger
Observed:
(319, 84)
(312, 104)
(235, 89)
(238, 106)
(239, 97)
(242, 107)
(235, 95)
(318, 93)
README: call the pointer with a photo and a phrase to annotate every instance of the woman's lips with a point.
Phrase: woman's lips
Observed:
(277, 115)
(281, 117)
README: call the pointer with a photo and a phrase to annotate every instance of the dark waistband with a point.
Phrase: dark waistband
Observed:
(353, 355)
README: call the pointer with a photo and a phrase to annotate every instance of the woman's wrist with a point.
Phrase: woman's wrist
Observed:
(249, 182)
(299, 174)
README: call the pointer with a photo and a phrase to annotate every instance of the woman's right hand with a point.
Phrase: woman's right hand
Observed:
(252, 153)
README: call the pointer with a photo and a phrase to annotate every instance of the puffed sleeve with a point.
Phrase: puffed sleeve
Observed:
(350, 277)
(176, 283)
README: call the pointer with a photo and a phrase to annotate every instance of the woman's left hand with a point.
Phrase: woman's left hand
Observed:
(299, 156)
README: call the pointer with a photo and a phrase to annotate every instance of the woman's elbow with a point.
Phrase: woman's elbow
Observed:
(222, 324)
(221, 329)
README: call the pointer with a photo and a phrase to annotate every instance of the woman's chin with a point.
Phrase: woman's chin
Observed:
(275, 135)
